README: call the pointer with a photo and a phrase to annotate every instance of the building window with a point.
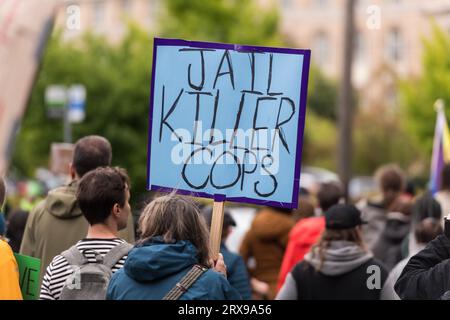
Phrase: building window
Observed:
(98, 14)
(395, 45)
(321, 49)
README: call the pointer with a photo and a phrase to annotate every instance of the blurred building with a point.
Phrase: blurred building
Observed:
(388, 38)
(105, 17)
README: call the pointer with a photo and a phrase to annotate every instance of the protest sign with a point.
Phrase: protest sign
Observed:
(29, 270)
(61, 156)
(226, 121)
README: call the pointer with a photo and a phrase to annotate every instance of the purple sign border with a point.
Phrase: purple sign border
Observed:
(300, 130)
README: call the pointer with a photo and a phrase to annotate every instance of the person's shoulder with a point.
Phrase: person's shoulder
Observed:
(306, 227)
(211, 278)
(310, 222)
(117, 277)
(58, 261)
(38, 210)
(214, 285)
(5, 248)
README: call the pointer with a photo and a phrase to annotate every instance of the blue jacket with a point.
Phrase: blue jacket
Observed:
(237, 274)
(152, 269)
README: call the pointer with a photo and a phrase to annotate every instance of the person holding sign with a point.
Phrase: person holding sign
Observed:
(174, 243)
(237, 274)
(9, 271)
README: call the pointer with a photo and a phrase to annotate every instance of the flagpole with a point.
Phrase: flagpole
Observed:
(439, 105)
(437, 157)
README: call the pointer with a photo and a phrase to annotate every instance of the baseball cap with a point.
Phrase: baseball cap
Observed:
(343, 216)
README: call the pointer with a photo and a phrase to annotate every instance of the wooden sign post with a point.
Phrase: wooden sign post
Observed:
(216, 228)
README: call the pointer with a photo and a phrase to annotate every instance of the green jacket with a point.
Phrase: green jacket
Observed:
(56, 224)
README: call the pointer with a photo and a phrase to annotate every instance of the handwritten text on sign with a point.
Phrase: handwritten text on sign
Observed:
(226, 121)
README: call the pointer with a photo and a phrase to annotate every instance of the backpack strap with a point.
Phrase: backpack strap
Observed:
(115, 254)
(74, 257)
(185, 283)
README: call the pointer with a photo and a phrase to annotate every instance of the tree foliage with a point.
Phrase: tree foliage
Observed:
(419, 95)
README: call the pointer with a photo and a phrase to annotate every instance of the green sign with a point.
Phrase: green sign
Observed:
(29, 270)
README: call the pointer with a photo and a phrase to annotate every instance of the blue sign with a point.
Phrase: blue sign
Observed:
(226, 121)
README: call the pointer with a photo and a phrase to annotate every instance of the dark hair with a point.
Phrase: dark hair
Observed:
(445, 177)
(91, 152)
(392, 181)
(425, 207)
(99, 190)
(175, 218)
(16, 227)
(329, 194)
(427, 230)
(2, 192)
(401, 205)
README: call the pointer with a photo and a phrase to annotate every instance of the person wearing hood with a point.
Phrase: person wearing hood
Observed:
(307, 231)
(424, 232)
(263, 248)
(388, 248)
(174, 242)
(338, 267)
(57, 222)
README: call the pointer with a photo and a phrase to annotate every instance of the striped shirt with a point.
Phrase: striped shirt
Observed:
(59, 269)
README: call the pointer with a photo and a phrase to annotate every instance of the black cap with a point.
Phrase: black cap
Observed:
(227, 218)
(342, 216)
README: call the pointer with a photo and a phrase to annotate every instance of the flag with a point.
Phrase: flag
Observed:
(441, 150)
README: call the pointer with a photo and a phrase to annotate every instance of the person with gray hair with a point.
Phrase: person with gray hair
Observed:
(172, 260)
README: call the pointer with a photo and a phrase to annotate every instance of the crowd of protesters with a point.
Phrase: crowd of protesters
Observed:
(394, 245)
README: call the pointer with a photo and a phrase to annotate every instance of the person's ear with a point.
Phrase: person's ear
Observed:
(116, 210)
(72, 172)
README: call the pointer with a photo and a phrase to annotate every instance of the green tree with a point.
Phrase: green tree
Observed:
(419, 95)
(117, 81)
(378, 138)
(322, 95)
(232, 21)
